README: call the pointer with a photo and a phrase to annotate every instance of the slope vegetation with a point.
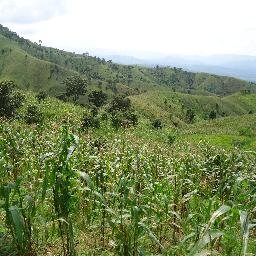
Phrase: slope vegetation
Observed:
(103, 74)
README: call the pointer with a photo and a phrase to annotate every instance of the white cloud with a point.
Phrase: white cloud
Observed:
(28, 11)
(164, 26)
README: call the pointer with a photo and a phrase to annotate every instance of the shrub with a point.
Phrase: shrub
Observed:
(33, 115)
(190, 115)
(171, 139)
(62, 97)
(157, 124)
(124, 119)
(131, 118)
(42, 95)
(120, 103)
(97, 98)
(94, 111)
(116, 121)
(10, 100)
(212, 114)
(90, 121)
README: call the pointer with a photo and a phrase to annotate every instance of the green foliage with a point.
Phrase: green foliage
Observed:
(90, 121)
(120, 103)
(130, 192)
(212, 114)
(122, 113)
(190, 115)
(33, 115)
(10, 100)
(75, 86)
(157, 124)
(19, 214)
(49, 66)
(171, 139)
(124, 119)
(97, 98)
(41, 96)
(62, 175)
(124, 192)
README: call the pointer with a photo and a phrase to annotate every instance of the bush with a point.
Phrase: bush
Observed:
(157, 124)
(190, 116)
(42, 95)
(10, 100)
(131, 119)
(33, 115)
(171, 139)
(120, 103)
(124, 119)
(90, 121)
(97, 98)
(212, 114)
(75, 86)
(116, 121)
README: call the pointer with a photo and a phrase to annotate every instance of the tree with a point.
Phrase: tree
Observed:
(97, 98)
(10, 100)
(124, 119)
(120, 103)
(75, 86)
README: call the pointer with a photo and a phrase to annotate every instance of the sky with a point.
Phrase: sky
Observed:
(141, 28)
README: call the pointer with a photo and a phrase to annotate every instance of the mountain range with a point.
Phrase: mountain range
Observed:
(239, 66)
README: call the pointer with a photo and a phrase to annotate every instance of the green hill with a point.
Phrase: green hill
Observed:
(172, 106)
(29, 72)
(161, 92)
(33, 65)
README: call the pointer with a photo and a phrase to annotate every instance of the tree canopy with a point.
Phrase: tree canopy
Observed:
(75, 86)
(10, 100)
(97, 98)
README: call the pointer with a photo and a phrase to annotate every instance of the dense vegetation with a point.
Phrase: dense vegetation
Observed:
(158, 162)
(130, 191)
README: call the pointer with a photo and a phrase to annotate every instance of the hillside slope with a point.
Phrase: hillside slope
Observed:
(173, 106)
(103, 74)
(30, 72)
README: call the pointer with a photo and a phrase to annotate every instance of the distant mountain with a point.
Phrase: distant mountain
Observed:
(239, 66)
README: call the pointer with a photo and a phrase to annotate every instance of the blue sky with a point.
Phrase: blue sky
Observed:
(136, 27)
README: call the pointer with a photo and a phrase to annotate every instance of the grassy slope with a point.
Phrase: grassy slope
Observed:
(227, 132)
(166, 105)
(29, 72)
(153, 90)
(120, 78)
